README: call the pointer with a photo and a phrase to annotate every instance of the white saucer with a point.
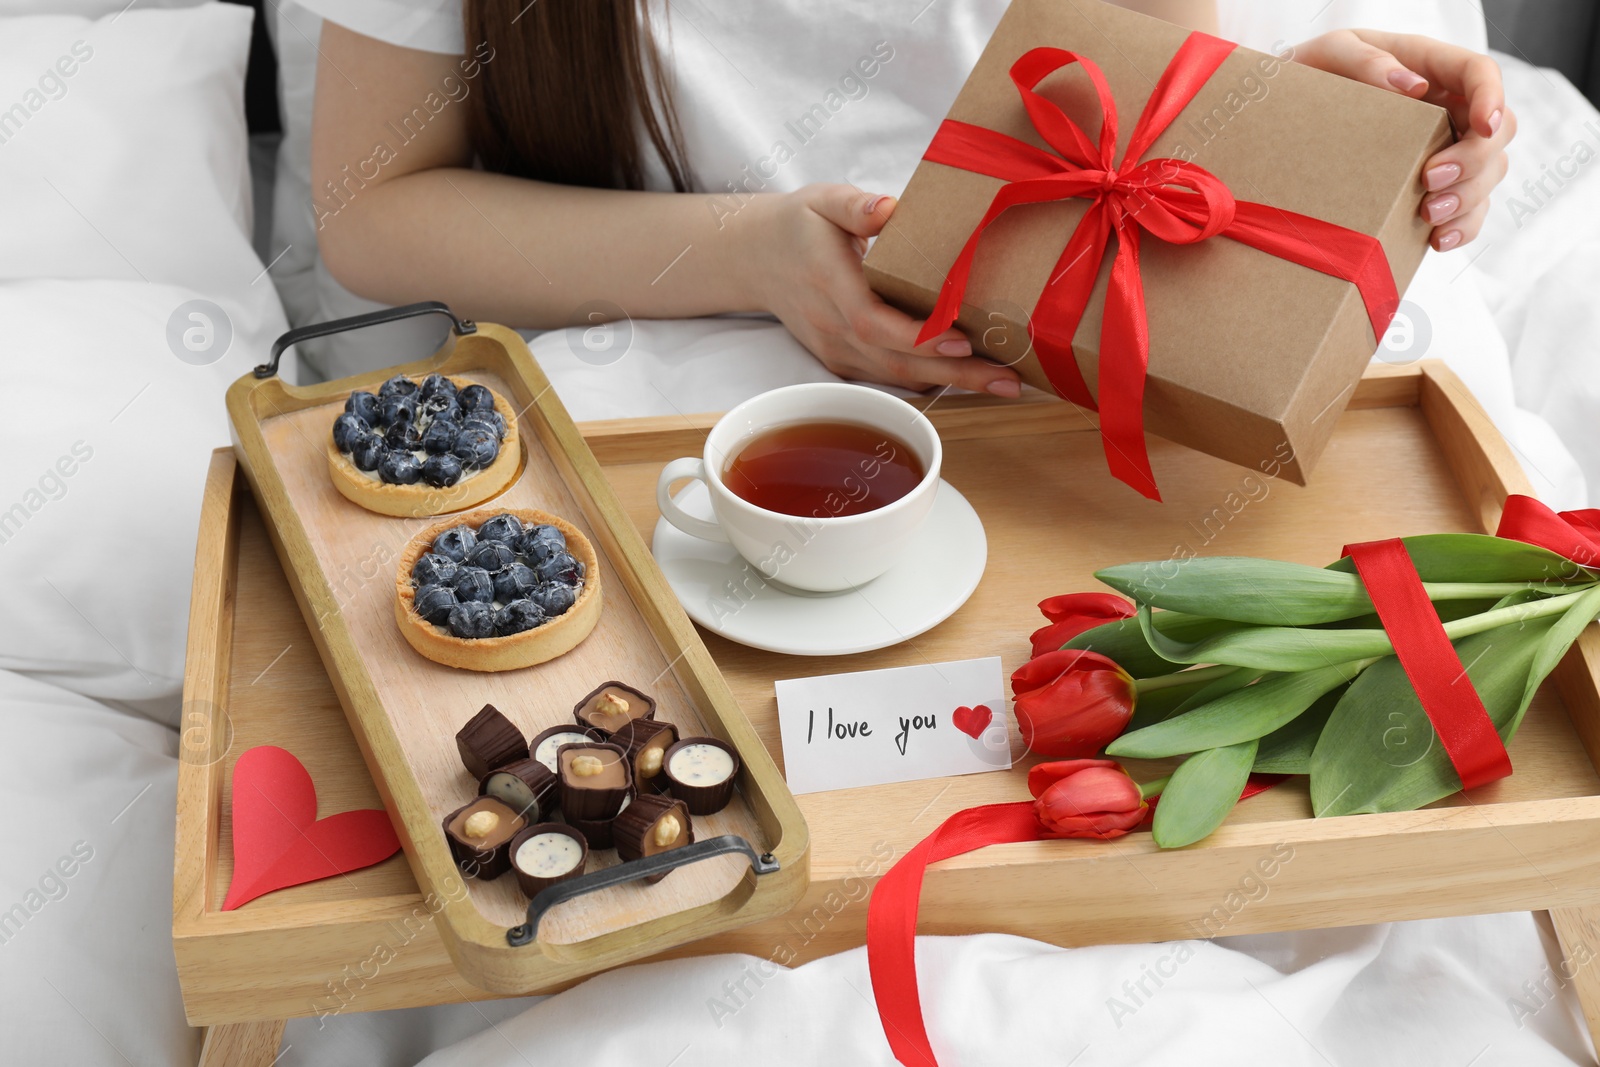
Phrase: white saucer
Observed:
(726, 595)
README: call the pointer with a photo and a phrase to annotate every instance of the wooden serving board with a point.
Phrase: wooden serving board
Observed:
(1412, 454)
(407, 709)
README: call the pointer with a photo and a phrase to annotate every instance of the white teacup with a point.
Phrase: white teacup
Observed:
(818, 553)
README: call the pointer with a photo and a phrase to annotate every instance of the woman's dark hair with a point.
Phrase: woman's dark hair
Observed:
(570, 88)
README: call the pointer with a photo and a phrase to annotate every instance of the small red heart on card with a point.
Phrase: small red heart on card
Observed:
(278, 841)
(972, 721)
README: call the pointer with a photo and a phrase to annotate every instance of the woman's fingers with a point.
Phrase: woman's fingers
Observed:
(1461, 229)
(852, 210)
(1458, 71)
(1463, 196)
(1347, 53)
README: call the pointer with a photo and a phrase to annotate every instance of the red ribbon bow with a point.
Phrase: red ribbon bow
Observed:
(1174, 199)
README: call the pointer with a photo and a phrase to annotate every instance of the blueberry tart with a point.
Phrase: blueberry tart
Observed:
(497, 590)
(423, 447)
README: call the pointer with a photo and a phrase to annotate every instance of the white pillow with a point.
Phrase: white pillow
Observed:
(106, 449)
(85, 8)
(125, 147)
(86, 884)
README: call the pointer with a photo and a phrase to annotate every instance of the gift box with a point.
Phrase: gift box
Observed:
(1221, 284)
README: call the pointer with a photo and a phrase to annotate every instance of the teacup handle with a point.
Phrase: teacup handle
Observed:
(678, 469)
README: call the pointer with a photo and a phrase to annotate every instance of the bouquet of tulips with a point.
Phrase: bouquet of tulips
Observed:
(1245, 666)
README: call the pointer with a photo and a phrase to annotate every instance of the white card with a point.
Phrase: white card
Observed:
(895, 725)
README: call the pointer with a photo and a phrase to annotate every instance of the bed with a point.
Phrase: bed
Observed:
(133, 294)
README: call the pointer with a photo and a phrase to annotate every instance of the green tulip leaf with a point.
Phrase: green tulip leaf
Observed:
(1242, 589)
(1124, 642)
(1272, 648)
(1461, 557)
(1294, 648)
(1379, 751)
(1156, 705)
(1552, 648)
(1202, 791)
(1287, 750)
(1243, 715)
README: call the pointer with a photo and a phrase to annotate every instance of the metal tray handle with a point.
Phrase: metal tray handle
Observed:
(633, 870)
(356, 322)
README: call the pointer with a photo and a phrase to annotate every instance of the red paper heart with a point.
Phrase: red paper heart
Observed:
(278, 841)
(972, 721)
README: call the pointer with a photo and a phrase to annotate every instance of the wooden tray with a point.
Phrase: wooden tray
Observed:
(1413, 454)
(406, 709)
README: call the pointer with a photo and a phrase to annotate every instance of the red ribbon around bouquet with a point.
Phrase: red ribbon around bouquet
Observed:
(1453, 706)
(1176, 201)
(1448, 697)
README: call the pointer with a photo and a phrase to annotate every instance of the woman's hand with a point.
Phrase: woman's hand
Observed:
(806, 264)
(1466, 83)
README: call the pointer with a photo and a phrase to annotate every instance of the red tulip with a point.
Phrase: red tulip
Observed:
(1072, 703)
(1086, 798)
(1073, 613)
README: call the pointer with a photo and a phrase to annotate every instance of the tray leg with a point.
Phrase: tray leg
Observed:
(1578, 930)
(241, 1044)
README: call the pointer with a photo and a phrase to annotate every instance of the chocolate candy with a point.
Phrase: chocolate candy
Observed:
(646, 742)
(700, 771)
(651, 825)
(547, 854)
(595, 780)
(595, 831)
(489, 740)
(612, 706)
(546, 742)
(480, 836)
(527, 786)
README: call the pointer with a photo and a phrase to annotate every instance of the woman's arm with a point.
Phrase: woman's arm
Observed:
(425, 226)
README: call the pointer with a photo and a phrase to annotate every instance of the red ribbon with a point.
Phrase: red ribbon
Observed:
(1447, 695)
(1573, 534)
(892, 913)
(1177, 201)
(1430, 661)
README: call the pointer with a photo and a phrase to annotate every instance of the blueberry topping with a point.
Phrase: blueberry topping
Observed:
(432, 568)
(399, 468)
(476, 398)
(347, 429)
(476, 448)
(441, 406)
(440, 436)
(401, 436)
(490, 420)
(517, 616)
(539, 543)
(399, 385)
(435, 602)
(437, 385)
(472, 619)
(492, 556)
(366, 451)
(514, 583)
(456, 542)
(560, 567)
(554, 599)
(363, 404)
(505, 528)
(397, 409)
(473, 583)
(441, 471)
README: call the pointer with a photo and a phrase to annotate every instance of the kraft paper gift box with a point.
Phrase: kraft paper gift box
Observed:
(1251, 356)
